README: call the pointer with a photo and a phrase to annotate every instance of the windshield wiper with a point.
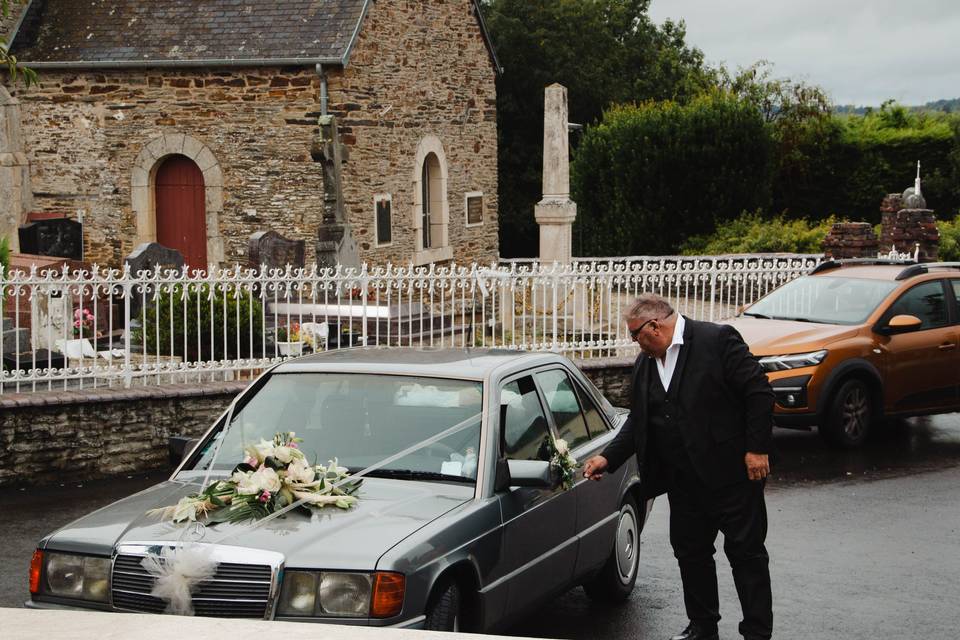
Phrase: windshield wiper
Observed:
(755, 315)
(410, 474)
(799, 319)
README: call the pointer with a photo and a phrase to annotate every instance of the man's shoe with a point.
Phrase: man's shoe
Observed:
(697, 632)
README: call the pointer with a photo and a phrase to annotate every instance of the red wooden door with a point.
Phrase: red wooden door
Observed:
(181, 209)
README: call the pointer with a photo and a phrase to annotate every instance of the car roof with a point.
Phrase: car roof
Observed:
(867, 268)
(471, 364)
(872, 272)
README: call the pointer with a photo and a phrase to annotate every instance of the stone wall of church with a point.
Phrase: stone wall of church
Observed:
(418, 69)
(84, 131)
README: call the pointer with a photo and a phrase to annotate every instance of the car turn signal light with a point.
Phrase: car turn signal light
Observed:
(387, 600)
(36, 563)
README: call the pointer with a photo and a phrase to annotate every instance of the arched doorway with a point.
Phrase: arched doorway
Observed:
(181, 209)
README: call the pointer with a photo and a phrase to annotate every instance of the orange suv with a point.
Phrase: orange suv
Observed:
(857, 340)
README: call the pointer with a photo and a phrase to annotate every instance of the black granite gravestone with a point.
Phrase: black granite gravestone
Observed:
(150, 254)
(273, 250)
(146, 257)
(58, 237)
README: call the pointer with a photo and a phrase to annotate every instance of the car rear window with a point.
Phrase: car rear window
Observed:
(824, 299)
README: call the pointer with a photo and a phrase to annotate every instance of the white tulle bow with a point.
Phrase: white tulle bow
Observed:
(178, 572)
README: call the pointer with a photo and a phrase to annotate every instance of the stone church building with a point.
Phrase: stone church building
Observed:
(366, 128)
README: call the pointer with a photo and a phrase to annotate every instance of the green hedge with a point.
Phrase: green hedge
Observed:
(751, 233)
(847, 164)
(168, 310)
(650, 176)
(950, 239)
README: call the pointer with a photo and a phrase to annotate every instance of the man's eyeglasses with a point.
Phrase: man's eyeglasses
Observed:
(636, 332)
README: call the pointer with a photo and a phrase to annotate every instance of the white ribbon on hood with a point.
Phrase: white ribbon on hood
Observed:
(178, 571)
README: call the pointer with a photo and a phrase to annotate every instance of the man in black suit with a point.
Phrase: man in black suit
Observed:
(700, 425)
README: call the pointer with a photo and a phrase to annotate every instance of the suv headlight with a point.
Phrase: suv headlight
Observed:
(73, 576)
(339, 594)
(795, 361)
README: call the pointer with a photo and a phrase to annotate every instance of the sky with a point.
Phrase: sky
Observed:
(861, 52)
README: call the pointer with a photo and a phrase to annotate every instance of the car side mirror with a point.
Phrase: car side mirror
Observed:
(531, 473)
(902, 323)
(179, 447)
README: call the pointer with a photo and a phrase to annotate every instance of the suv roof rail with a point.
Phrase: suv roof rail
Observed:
(826, 265)
(924, 267)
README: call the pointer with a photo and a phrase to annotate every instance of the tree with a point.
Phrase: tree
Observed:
(7, 60)
(604, 52)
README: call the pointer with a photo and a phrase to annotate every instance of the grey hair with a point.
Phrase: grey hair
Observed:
(649, 305)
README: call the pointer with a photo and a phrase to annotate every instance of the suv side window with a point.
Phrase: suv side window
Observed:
(524, 423)
(562, 401)
(925, 301)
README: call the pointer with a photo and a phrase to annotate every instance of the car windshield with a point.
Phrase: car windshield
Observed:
(825, 299)
(360, 420)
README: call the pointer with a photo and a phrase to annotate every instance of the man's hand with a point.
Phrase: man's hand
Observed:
(594, 467)
(758, 465)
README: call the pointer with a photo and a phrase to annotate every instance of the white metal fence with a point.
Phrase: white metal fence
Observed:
(65, 330)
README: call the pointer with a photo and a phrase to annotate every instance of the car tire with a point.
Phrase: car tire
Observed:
(444, 611)
(615, 581)
(849, 415)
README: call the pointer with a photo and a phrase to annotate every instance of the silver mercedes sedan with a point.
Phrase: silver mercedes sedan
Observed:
(465, 533)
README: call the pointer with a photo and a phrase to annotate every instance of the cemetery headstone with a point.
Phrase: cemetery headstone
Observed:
(275, 251)
(59, 237)
(146, 257)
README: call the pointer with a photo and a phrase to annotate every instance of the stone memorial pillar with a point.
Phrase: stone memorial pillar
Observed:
(15, 192)
(556, 212)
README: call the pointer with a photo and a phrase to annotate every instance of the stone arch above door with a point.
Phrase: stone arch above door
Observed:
(142, 187)
(430, 145)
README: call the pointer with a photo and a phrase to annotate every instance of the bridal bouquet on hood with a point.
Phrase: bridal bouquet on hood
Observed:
(274, 474)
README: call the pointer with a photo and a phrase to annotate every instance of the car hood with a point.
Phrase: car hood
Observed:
(388, 511)
(783, 337)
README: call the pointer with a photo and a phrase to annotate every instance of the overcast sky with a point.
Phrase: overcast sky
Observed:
(861, 51)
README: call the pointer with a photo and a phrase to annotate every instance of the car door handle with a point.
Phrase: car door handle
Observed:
(946, 346)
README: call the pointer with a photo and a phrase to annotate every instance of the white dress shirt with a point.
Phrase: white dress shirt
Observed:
(667, 366)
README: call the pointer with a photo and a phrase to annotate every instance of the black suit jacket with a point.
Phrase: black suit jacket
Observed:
(725, 409)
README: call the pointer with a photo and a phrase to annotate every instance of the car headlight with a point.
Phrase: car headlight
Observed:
(341, 594)
(78, 577)
(794, 361)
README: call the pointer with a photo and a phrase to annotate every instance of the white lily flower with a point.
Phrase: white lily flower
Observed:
(562, 447)
(300, 472)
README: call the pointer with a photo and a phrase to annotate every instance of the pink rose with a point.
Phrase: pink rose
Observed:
(265, 496)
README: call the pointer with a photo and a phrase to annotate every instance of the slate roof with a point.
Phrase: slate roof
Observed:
(133, 32)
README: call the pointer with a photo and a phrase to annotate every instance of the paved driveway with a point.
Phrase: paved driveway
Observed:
(863, 545)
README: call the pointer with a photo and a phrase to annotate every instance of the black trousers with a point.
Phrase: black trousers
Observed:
(697, 514)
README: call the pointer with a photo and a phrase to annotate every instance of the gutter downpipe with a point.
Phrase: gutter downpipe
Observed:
(323, 88)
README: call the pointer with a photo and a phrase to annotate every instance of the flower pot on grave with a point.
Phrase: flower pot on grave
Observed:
(290, 348)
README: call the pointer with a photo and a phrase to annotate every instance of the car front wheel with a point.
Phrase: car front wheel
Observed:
(615, 581)
(849, 415)
(443, 612)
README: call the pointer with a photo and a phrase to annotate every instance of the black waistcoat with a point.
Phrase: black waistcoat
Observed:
(664, 432)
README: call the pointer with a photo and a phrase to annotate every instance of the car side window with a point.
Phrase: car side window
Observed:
(525, 430)
(562, 400)
(595, 422)
(955, 282)
(925, 301)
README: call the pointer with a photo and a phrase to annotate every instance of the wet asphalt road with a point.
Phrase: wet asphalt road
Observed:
(863, 545)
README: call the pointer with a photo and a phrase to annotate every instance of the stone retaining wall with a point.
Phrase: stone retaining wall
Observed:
(98, 433)
(47, 437)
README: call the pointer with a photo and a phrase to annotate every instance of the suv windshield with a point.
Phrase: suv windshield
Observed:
(825, 299)
(361, 419)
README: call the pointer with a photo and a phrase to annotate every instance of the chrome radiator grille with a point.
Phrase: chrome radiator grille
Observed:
(236, 590)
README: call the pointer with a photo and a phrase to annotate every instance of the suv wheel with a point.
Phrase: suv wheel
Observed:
(850, 415)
